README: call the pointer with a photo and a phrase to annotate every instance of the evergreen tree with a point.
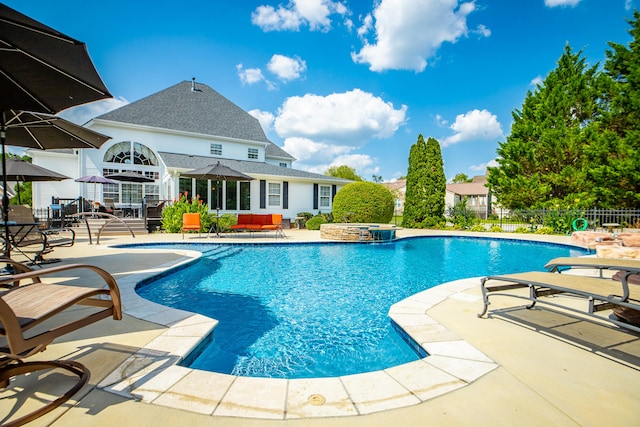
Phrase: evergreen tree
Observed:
(615, 154)
(543, 161)
(426, 186)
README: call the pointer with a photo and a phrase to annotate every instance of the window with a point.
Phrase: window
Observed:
(232, 195)
(273, 194)
(253, 153)
(245, 196)
(127, 152)
(283, 165)
(216, 149)
(152, 193)
(325, 196)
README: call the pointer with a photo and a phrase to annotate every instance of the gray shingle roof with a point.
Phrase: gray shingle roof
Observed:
(274, 151)
(186, 161)
(202, 111)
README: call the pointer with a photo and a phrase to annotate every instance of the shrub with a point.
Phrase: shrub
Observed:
(461, 216)
(363, 202)
(306, 216)
(172, 214)
(521, 230)
(315, 222)
(495, 229)
(544, 230)
(478, 228)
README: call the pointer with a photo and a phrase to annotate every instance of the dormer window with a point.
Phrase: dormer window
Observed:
(216, 149)
(252, 154)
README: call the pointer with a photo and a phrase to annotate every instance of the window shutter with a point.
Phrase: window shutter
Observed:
(315, 196)
(285, 195)
(334, 190)
(263, 194)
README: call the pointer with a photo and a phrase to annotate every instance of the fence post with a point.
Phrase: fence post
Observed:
(595, 213)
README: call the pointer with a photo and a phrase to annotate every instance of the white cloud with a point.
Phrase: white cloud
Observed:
(83, 113)
(321, 131)
(474, 125)
(441, 121)
(408, 32)
(537, 80)
(314, 13)
(556, 3)
(286, 68)
(250, 75)
(482, 31)
(354, 116)
(482, 167)
(265, 118)
(628, 4)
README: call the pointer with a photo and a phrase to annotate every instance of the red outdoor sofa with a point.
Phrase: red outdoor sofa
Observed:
(259, 222)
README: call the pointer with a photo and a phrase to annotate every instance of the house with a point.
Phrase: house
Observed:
(187, 126)
(475, 193)
(399, 190)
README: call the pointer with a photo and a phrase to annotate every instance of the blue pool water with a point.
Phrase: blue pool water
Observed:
(319, 310)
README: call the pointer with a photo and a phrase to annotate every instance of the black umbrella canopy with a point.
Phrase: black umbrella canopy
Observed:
(19, 170)
(42, 69)
(46, 131)
(217, 172)
(129, 176)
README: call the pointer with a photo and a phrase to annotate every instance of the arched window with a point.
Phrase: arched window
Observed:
(128, 152)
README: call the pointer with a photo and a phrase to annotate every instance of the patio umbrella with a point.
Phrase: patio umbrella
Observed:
(44, 71)
(130, 176)
(21, 171)
(95, 179)
(217, 172)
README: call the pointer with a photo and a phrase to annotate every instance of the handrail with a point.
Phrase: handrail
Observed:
(110, 219)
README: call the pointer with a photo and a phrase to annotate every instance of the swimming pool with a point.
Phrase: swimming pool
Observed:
(320, 310)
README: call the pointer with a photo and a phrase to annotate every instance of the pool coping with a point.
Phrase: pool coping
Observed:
(152, 374)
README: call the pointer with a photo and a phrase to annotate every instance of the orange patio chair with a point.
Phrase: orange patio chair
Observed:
(190, 222)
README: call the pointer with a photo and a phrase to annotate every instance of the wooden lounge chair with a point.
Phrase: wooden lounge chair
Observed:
(191, 222)
(599, 293)
(33, 313)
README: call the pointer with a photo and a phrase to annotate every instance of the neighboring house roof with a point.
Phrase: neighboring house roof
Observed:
(187, 162)
(395, 185)
(468, 189)
(191, 107)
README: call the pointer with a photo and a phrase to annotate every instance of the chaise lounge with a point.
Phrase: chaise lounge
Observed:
(599, 293)
(33, 313)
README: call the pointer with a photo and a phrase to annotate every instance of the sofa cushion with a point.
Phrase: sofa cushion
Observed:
(261, 219)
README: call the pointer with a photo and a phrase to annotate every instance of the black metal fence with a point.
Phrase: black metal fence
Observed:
(557, 220)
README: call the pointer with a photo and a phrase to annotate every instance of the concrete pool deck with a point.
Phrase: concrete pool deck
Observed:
(524, 367)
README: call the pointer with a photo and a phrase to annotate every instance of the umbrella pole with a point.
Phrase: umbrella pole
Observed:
(5, 198)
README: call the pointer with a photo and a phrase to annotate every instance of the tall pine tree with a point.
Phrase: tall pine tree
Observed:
(543, 161)
(615, 154)
(426, 185)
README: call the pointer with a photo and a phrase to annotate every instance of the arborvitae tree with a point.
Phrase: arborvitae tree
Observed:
(543, 163)
(426, 186)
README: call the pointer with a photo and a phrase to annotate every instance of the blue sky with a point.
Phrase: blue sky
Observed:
(345, 82)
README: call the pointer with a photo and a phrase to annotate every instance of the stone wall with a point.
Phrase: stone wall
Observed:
(346, 232)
